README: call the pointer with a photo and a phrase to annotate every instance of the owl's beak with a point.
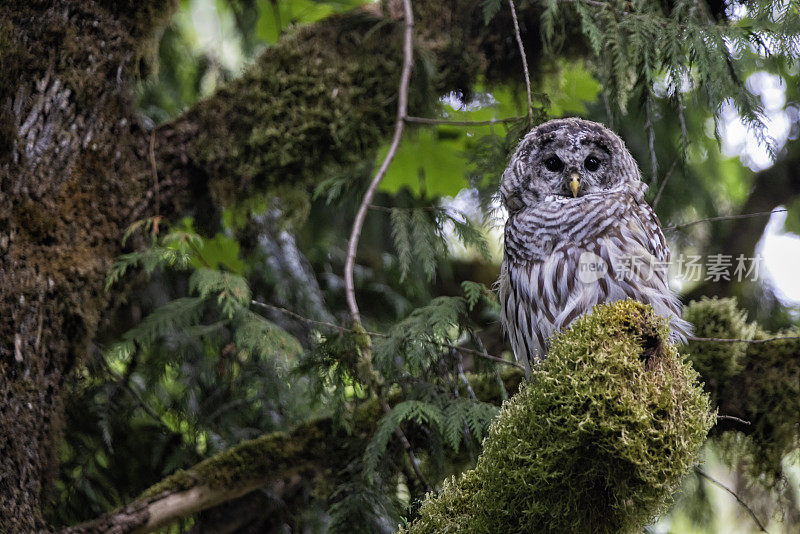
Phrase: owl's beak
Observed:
(574, 183)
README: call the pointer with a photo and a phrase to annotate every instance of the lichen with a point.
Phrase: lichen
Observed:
(597, 441)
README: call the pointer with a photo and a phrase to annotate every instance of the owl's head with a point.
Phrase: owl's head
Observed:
(569, 158)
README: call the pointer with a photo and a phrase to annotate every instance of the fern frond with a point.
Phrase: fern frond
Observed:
(169, 318)
(402, 239)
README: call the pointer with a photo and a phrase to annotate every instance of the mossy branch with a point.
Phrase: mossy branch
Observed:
(752, 381)
(597, 441)
(316, 450)
(324, 97)
(226, 476)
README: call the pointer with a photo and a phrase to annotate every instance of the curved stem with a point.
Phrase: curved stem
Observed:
(524, 61)
(402, 104)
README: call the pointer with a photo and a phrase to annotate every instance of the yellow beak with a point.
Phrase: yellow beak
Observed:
(574, 183)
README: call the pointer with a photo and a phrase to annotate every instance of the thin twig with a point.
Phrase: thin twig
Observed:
(733, 418)
(724, 218)
(442, 344)
(126, 385)
(596, 3)
(390, 210)
(409, 451)
(445, 122)
(463, 376)
(402, 103)
(524, 60)
(664, 183)
(739, 499)
(733, 340)
(155, 170)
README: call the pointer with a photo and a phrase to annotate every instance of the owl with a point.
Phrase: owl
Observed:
(579, 233)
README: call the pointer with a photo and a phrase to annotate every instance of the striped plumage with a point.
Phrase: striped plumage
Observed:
(567, 250)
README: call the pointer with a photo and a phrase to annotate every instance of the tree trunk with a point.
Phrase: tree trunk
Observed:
(67, 185)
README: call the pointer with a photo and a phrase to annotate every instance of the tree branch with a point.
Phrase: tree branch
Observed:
(480, 354)
(735, 495)
(524, 61)
(402, 105)
(445, 122)
(316, 450)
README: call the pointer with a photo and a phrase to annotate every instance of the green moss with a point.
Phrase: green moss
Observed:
(717, 362)
(322, 98)
(768, 390)
(756, 382)
(597, 442)
(260, 458)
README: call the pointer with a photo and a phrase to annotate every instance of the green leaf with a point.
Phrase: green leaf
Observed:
(220, 252)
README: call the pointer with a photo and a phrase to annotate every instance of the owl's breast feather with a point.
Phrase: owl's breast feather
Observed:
(532, 234)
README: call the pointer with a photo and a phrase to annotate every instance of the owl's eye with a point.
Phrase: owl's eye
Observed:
(591, 163)
(553, 164)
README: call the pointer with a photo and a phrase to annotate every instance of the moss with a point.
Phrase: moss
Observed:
(718, 362)
(321, 99)
(269, 455)
(771, 392)
(757, 382)
(597, 442)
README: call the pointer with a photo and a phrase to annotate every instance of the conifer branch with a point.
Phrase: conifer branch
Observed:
(402, 104)
(467, 350)
(736, 496)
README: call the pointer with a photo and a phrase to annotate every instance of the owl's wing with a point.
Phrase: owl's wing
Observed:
(646, 229)
(641, 236)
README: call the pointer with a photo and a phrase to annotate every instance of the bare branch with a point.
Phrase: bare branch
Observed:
(402, 104)
(412, 458)
(423, 120)
(154, 168)
(733, 418)
(664, 183)
(738, 499)
(524, 61)
(390, 210)
(135, 394)
(480, 354)
(672, 227)
(595, 3)
(733, 340)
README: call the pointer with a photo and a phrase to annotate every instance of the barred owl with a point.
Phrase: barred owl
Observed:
(579, 233)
